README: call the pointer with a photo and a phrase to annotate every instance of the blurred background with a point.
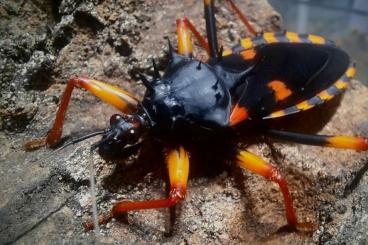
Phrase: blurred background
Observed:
(343, 21)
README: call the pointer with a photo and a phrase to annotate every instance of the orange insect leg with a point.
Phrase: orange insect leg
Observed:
(115, 96)
(178, 167)
(242, 17)
(257, 165)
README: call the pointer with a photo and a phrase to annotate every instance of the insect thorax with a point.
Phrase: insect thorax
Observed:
(189, 94)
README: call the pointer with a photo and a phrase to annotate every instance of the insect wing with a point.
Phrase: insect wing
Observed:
(287, 74)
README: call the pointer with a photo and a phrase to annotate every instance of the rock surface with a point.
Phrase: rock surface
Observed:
(44, 43)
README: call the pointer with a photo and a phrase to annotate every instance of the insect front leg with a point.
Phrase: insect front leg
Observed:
(344, 142)
(178, 167)
(112, 95)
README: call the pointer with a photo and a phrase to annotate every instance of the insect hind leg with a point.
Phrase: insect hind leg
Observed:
(343, 142)
(255, 164)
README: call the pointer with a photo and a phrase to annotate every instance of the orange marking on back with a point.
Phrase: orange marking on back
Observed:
(246, 43)
(248, 54)
(280, 90)
(238, 114)
(341, 84)
(227, 52)
(270, 37)
(293, 37)
(316, 39)
(325, 96)
(277, 114)
(350, 72)
(304, 105)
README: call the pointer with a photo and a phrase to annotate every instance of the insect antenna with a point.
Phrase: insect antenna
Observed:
(71, 142)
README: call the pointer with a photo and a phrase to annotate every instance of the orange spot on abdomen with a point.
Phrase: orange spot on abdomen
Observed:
(280, 90)
(238, 114)
(248, 54)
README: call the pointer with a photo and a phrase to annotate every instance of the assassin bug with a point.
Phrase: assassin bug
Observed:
(262, 78)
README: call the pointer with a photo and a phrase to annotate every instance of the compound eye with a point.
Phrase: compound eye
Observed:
(114, 119)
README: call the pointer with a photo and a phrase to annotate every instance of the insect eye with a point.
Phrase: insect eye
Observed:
(114, 119)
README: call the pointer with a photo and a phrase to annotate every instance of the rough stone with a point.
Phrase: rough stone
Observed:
(46, 201)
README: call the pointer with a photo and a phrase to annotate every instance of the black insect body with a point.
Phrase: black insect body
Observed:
(262, 78)
(190, 93)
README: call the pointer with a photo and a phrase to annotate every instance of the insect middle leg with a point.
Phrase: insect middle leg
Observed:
(112, 95)
(178, 166)
(344, 142)
(255, 164)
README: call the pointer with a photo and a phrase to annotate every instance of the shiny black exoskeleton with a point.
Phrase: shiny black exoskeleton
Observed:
(195, 98)
(190, 94)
